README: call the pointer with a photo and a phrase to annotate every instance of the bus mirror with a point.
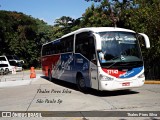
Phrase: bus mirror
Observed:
(146, 38)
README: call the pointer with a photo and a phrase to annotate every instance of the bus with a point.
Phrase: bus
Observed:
(102, 58)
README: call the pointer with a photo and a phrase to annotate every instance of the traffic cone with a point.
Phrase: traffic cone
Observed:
(32, 73)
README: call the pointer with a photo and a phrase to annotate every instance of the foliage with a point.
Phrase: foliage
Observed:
(62, 26)
(95, 16)
(65, 25)
(23, 36)
(145, 18)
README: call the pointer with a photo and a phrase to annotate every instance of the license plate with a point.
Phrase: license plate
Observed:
(126, 84)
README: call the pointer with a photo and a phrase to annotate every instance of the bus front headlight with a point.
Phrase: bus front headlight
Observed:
(141, 75)
(105, 78)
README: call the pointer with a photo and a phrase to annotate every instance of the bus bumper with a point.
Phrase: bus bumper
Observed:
(120, 84)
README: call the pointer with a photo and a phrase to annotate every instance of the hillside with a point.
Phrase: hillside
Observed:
(23, 35)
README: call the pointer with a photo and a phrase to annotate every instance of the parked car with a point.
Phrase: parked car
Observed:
(5, 68)
(11, 63)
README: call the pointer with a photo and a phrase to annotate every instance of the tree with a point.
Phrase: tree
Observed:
(96, 17)
(63, 25)
(63, 21)
(23, 36)
(114, 12)
(145, 18)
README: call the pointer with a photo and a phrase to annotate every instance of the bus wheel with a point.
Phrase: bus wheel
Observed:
(49, 76)
(81, 83)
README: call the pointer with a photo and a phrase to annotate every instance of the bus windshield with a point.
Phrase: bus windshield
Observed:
(119, 49)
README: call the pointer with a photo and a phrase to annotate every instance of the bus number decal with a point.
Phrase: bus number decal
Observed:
(114, 72)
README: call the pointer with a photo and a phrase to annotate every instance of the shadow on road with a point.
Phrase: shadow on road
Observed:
(92, 91)
(111, 93)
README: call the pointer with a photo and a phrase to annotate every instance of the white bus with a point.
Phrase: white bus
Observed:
(102, 58)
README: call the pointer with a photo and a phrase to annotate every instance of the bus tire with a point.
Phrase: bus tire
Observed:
(50, 76)
(81, 83)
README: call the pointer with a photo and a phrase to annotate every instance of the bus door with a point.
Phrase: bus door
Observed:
(93, 64)
(85, 45)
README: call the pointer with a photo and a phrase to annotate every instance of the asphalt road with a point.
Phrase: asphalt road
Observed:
(43, 95)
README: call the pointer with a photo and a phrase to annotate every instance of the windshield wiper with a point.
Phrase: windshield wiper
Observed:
(122, 58)
(112, 64)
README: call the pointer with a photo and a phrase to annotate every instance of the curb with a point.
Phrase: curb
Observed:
(152, 82)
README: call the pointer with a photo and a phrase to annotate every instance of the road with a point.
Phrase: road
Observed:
(43, 95)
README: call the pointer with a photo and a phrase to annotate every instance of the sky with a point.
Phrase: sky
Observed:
(47, 10)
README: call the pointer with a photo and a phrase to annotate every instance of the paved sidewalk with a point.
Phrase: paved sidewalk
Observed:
(24, 75)
(20, 78)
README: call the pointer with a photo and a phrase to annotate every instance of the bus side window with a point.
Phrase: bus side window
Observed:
(81, 45)
(85, 45)
(67, 44)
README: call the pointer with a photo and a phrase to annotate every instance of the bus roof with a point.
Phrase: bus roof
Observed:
(94, 29)
(97, 29)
